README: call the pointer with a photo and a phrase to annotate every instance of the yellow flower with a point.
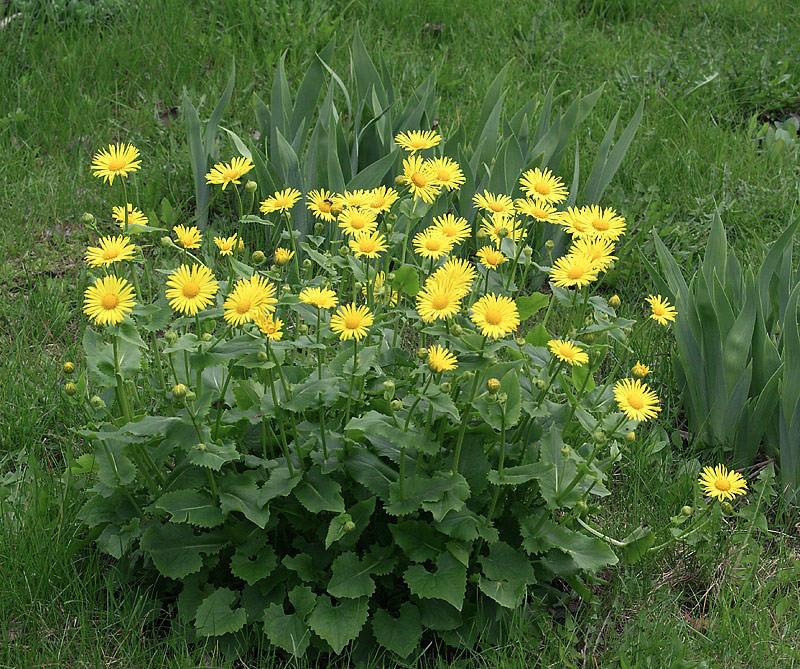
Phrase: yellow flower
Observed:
(495, 315)
(543, 185)
(356, 220)
(640, 370)
(320, 204)
(491, 257)
(417, 140)
(116, 161)
(572, 220)
(636, 400)
(448, 173)
(381, 199)
(500, 228)
(108, 300)
(248, 298)
(110, 250)
(270, 327)
(439, 299)
(226, 245)
(454, 228)
(602, 223)
(283, 256)
(188, 237)
(497, 205)
(431, 243)
(457, 274)
(191, 289)
(420, 179)
(661, 311)
(538, 209)
(368, 244)
(229, 173)
(568, 352)
(378, 289)
(441, 359)
(321, 298)
(282, 200)
(351, 321)
(719, 483)
(135, 216)
(573, 271)
(599, 251)
(355, 198)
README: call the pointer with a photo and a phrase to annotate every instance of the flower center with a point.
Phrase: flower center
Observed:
(243, 306)
(352, 321)
(722, 484)
(325, 206)
(658, 310)
(110, 301)
(565, 352)
(542, 189)
(367, 246)
(636, 401)
(496, 206)
(433, 244)
(575, 272)
(357, 223)
(110, 253)
(116, 164)
(419, 180)
(600, 224)
(443, 174)
(191, 289)
(230, 175)
(493, 316)
(377, 203)
(440, 302)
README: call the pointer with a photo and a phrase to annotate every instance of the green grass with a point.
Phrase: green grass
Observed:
(704, 69)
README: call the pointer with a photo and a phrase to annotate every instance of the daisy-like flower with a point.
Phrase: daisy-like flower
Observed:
(495, 315)
(537, 209)
(108, 300)
(441, 359)
(719, 483)
(448, 173)
(379, 289)
(282, 200)
(636, 400)
(456, 273)
(135, 216)
(118, 160)
(190, 289)
(439, 299)
(420, 179)
(417, 140)
(226, 245)
(572, 220)
(223, 174)
(368, 244)
(602, 223)
(321, 298)
(355, 198)
(568, 352)
(599, 251)
(454, 228)
(661, 311)
(382, 198)
(431, 243)
(352, 322)
(497, 205)
(640, 370)
(573, 271)
(271, 328)
(248, 298)
(282, 256)
(321, 203)
(109, 251)
(491, 257)
(500, 227)
(543, 185)
(355, 220)
(188, 237)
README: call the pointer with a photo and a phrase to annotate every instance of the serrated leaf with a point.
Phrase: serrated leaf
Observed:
(216, 615)
(318, 492)
(337, 528)
(195, 507)
(286, 631)
(254, 560)
(280, 483)
(313, 393)
(516, 475)
(418, 540)
(176, 550)
(350, 577)
(448, 582)
(240, 492)
(399, 634)
(338, 625)
(213, 456)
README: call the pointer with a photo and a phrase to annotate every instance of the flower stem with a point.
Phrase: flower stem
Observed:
(465, 417)
(122, 396)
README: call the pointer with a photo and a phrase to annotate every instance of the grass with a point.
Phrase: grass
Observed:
(704, 71)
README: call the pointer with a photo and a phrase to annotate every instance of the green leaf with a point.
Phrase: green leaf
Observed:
(240, 492)
(213, 456)
(318, 492)
(406, 280)
(176, 550)
(417, 539)
(195, 507)
(286, 631)
(302, 565)
(280, 483)
(114, 468)
(528, 305)
(337, 528)
(399, 634)
(350, 578)
(338, 625)
(448, 582)
(254, 560)
(516, 475)
(589, 553)
(313, 393)
(637, 543)
(539, 336)
(216, 616)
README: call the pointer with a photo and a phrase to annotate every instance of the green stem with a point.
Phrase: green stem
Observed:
(122, 396)
(416, 402)
(352, 381)
(500, 464)
(221, 404)
(467, 411)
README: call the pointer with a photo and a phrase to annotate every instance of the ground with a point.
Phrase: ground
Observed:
(709, 72)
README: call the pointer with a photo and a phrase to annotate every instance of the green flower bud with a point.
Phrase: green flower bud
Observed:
(190, 396)
(70, 388)
(599, 436)
(392, 216)
(727, 508)
(630, 436)
(456, 329)
(687, 511)
(396, 405)
(179, 391)
(359, 286)
(285, 288)
(258, 258)
(614, 301)
(250, 186)
(319, 228)
(302, 328)
(502, 398)
(502, 233)
(207, 336)
(445, 387)
(262, 356)
(493, 385)
(422, 353)
(565, 451)
(344, 250)
(388, 385)
(200, 447)
(581, 507)
(171, 336)
(87, 218)
(520, 341)
(399, 180)
(69, 367)
(389, 228)
(527, 251)
(166, 242)
(549, 244)
(307, 263)
(97, 402)
(349, 526)
(541, 384)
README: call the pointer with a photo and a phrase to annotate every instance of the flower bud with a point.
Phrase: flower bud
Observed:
(456, 329)
(389, 228)
(319, 228)
(445, 387)
(422, 353)
(630, 436)
(97, 402)
(179, 391)
(520, 341)
(599, 436)
(502, 398)
(166, 242)
(396, 405)
(527, 251)
(549, 244)
(250, 186)
(171, 336)
(565, 451)
(200, 447)
(581, 507)
(493, 385)
(727, 508)
(286, 289)
(70, 388)
(207, 336)
(262, 356)
(87, 218)
(302, 328)
(687, 511)
(307, 263)
(502, 233)
(349, 526)
(541, 384)
(69, 367)
(388, 385)
(190, 396)
(344, 249)
(614, 301)
(399, 180)
(258, 258)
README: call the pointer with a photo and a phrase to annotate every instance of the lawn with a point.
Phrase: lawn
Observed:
(709, 73)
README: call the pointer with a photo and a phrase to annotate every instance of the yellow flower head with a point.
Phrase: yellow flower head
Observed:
(537, 209)
(568, 352)
(417, 140)
(495, 315)
(379, 290)
(381, 199)
(500, 228)
(223, 174)
(496, 205)
(439, 299)
(188, 237)
(108, 300)
(441, 359)
(640, 370)
(271, 328)
(543, 185)
(283, 256)
(420, 178)
(191, 289)
(116, 161)
(457, 274)
(602, 223)
(599, 251)
(454, 228)
(321, 298)
(135, 216)
(719, 483)
(573, 271)
(351, 321)
(226, 245)
(368, 244)
(491, 257)
(661, 311)
(431, 243)
(356, 220)
(636, 400)
(110, 250)
(448, 173)
(573, 220)
(282, 200)
(321, 203)
(248, 298)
